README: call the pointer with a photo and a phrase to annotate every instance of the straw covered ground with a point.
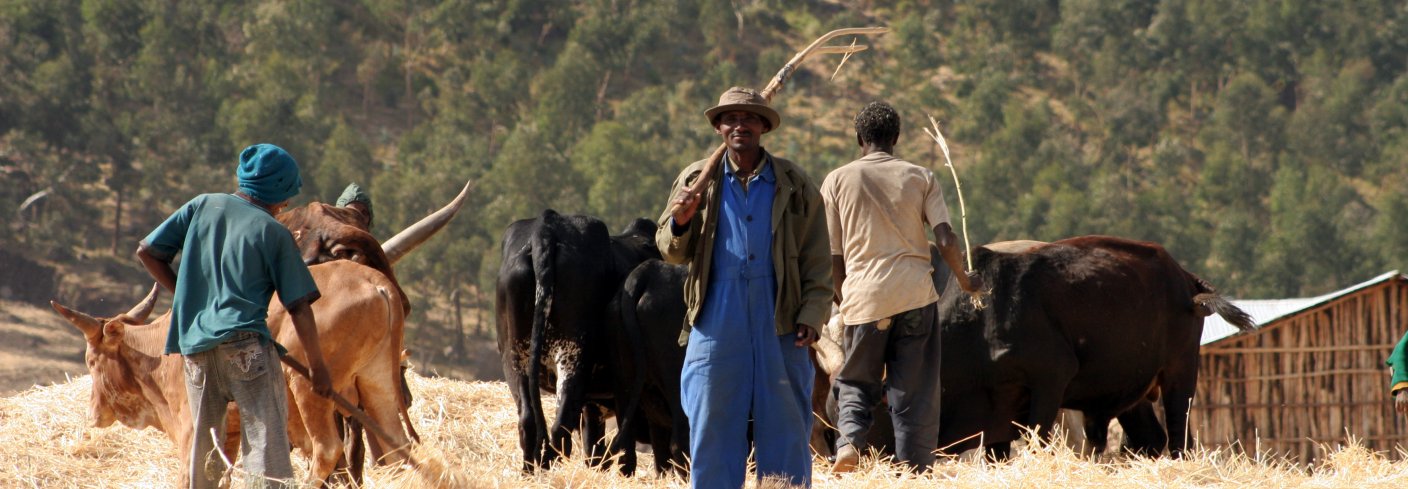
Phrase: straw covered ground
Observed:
(469, 437)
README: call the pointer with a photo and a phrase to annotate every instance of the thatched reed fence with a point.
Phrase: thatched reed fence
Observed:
(1309, 380)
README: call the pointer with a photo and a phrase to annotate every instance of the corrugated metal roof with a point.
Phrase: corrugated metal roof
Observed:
(1264, 311)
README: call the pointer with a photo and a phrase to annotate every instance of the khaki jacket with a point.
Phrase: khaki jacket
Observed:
(800, 247)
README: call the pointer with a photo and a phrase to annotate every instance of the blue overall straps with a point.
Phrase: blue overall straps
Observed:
(736, 366)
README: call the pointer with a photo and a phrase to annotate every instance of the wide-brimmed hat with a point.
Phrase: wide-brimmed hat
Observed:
(745, 99)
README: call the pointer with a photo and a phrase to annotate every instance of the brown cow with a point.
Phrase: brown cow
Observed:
(1097, 324)
(324, 233)
(1091, 323)
(360, 327)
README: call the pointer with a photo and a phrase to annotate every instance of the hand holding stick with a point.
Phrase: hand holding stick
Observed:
(962, 208)
(356, 412)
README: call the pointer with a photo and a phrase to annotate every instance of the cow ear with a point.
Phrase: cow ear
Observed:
(113, 330)
(90, 326)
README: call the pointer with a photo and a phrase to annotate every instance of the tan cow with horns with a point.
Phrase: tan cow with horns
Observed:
(361, 323)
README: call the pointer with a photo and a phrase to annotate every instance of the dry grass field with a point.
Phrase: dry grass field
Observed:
(469, 437)
(469, 433)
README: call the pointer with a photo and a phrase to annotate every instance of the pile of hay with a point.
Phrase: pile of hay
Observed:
(469, 432)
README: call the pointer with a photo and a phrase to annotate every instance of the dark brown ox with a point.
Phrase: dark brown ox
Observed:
(324, 233)
(1134, 317)
(1093, 323)
(360, 327)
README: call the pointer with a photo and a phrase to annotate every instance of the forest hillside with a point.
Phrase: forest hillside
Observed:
(1265, 143)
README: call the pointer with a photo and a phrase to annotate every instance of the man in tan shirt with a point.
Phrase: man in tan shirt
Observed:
(877, 211)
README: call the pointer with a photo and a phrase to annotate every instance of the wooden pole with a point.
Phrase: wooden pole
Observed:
(356, 412)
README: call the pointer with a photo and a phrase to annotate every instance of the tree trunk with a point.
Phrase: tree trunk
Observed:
(117, 223)
(481, 323)
(458, 350)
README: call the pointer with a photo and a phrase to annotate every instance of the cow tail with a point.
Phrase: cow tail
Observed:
(404, 392)
(1207, 301)
(544, 250)
(630, 322)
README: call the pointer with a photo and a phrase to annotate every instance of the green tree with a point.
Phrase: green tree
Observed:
(281, 75)
(1304, 253)
(1390, 232)
(347, 158)
(1330, 126)
(625, 182)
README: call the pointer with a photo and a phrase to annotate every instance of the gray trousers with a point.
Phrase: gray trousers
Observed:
(246, 371)
(902, 362)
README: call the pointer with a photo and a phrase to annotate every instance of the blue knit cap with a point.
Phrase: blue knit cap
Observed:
(268, 173)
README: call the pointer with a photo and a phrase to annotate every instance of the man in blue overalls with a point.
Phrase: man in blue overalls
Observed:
(758, 289)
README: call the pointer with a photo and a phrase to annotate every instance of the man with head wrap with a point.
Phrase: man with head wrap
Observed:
(235, 257)
(354, 198)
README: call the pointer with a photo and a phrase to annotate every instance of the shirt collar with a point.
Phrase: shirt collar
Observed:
(766, 170)
(877, 156)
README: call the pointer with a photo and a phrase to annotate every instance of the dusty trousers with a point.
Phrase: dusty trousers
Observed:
(900, 362)
(244, 370)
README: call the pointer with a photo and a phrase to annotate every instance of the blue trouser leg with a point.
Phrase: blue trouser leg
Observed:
(736, 366)
(716, 390)
(782, 419)
(737, 369)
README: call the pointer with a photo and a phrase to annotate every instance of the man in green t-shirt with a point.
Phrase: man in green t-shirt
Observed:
(235, 256)
(1398, 368)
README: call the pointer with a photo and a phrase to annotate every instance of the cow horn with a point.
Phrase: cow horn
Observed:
(830, 356)
(90, 326)
(417, 233)
(143, 309)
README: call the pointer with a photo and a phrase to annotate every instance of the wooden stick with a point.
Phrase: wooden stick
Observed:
(355, 411)
(962, 209)
(707, 174)
(843, 61)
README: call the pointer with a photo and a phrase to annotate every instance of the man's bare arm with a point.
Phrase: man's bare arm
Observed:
(953, 256)
(159, 269)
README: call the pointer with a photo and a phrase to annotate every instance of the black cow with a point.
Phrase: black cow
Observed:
(557, 277)
(1096, 323)
(650, 313)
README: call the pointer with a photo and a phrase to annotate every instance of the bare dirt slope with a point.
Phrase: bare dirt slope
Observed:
(37, 347)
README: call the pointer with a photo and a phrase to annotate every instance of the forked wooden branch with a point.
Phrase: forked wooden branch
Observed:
(977, 299)
(816, 47)
(958, 188)
(356, 412)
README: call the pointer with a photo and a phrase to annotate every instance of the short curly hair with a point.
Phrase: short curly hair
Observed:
(878, 123)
